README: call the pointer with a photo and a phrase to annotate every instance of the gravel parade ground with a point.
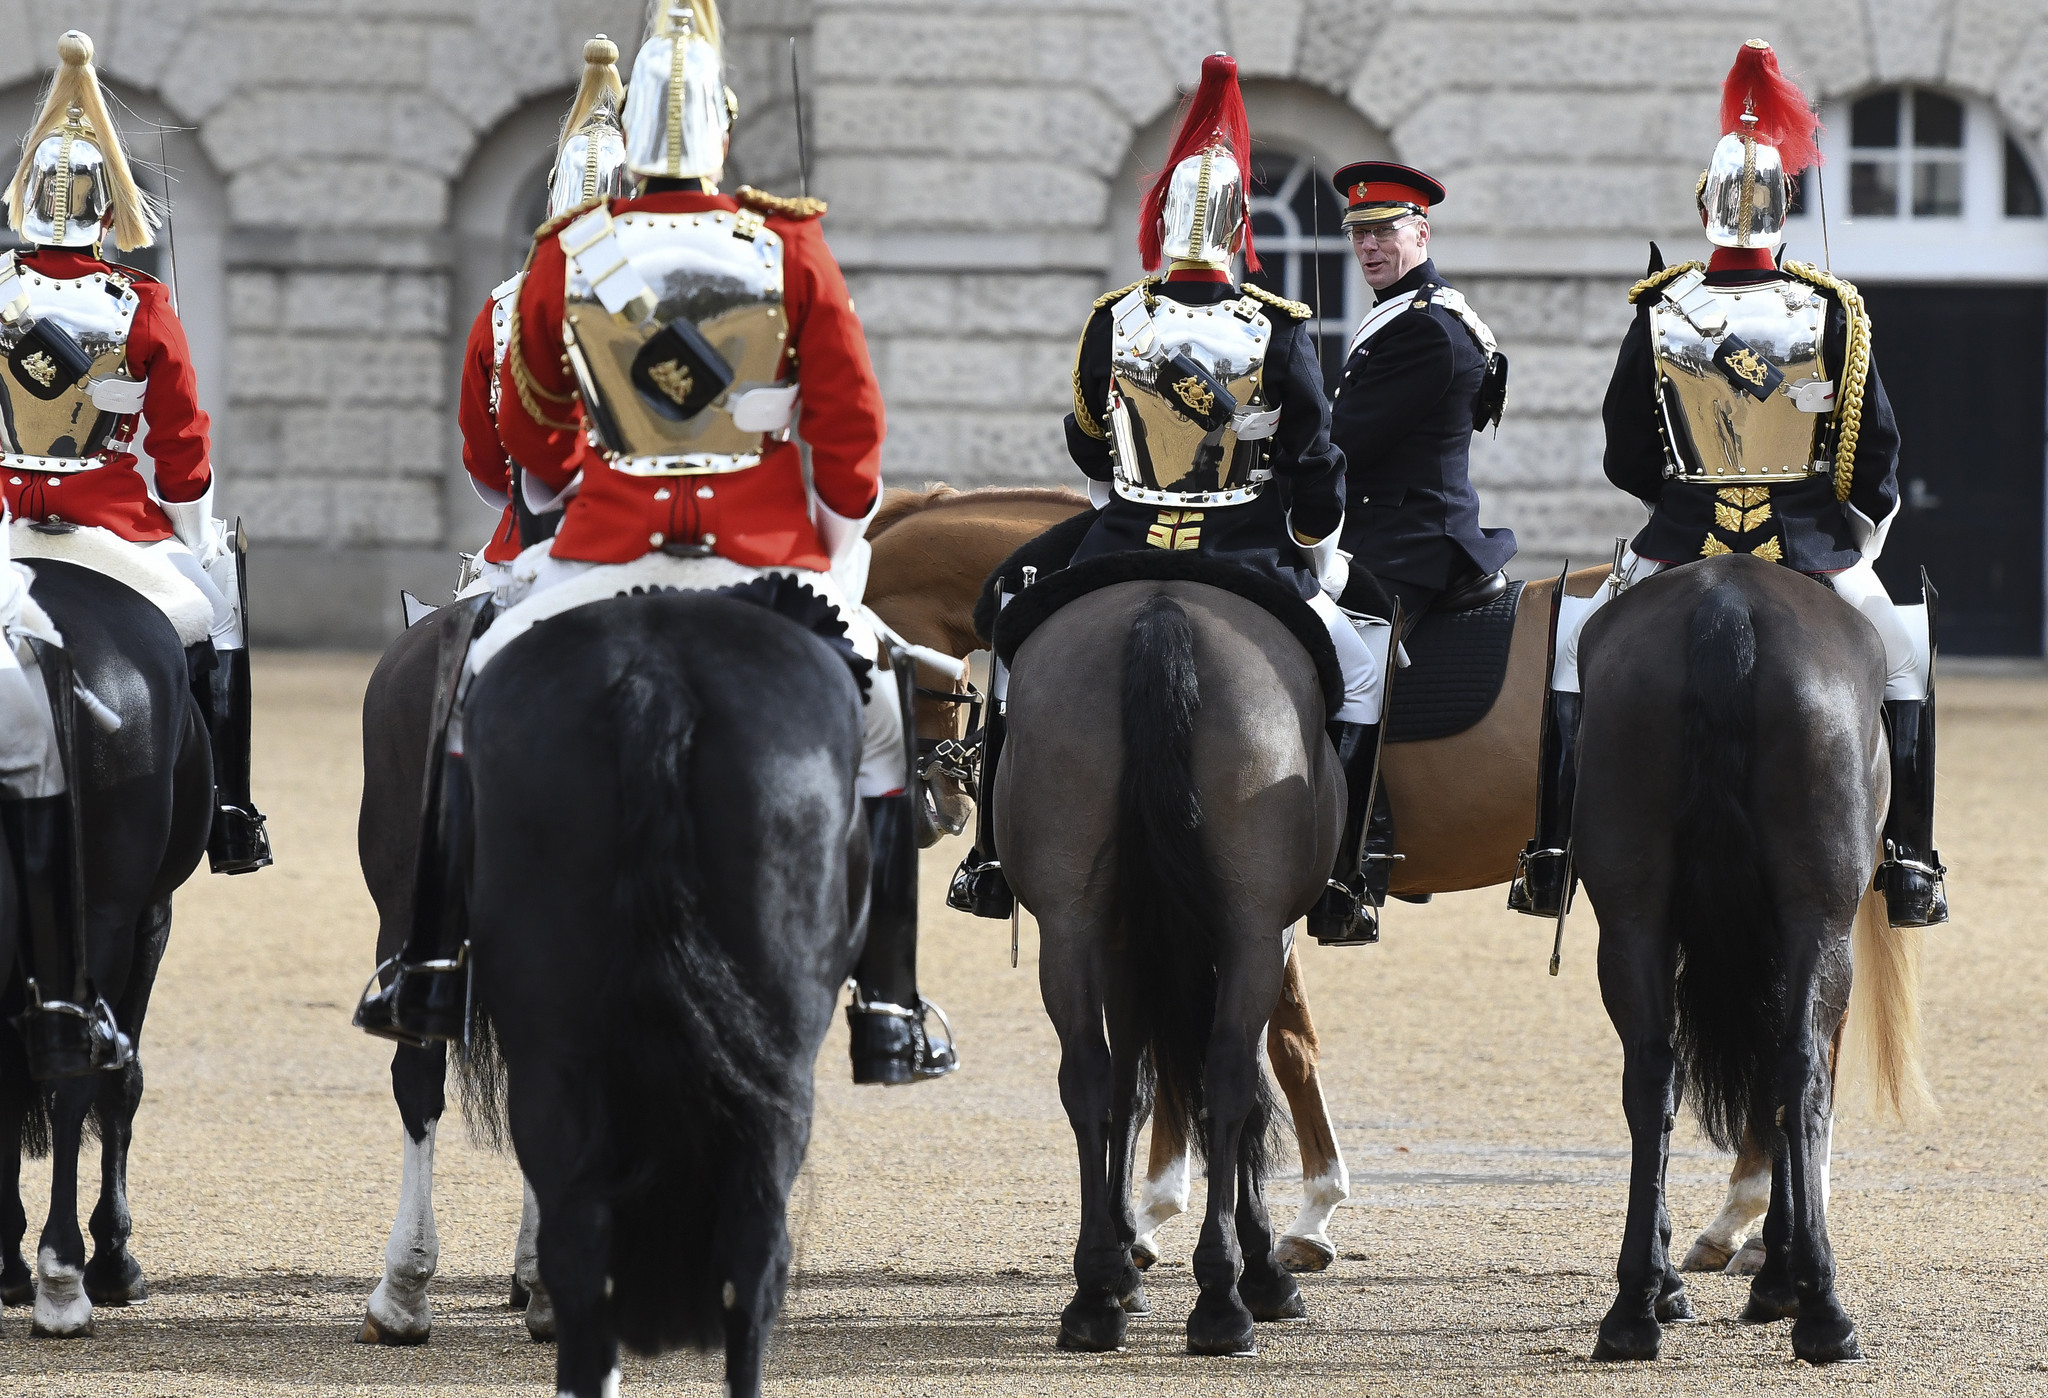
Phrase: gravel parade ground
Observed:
(1477, 1100)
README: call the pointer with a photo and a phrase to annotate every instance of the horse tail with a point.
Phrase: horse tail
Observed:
(1882, 1033)
(1730, 976)
(698, 1089)
(1165, 895)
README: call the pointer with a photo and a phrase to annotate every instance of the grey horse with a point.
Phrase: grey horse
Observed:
(1168, 807)
(1732, 786)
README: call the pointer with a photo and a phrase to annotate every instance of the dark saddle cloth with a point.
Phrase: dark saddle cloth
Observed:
(1457, 661)
(1029, 608)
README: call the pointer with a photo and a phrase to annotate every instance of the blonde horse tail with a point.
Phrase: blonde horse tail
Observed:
(1882, 1039)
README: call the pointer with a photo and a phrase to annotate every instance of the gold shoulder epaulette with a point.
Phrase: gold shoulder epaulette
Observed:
(777, 205)
(1855, 368)
(1297, 309)
(1110, 298)
(1656, 279)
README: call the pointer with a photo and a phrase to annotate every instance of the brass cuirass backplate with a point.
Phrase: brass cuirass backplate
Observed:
(1163, 453)
(718, 271)
(67, 432)
(1716, 428)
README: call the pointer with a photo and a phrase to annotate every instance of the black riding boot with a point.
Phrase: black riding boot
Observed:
(891, 1041)
(1347, 915)
(66, 1029)
(978, 885)
(1541, 885)
(239, 843)
(425, 996)
(1910, 878)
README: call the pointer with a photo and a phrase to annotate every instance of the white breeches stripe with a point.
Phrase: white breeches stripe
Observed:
(1902, 629)
(1363, 664)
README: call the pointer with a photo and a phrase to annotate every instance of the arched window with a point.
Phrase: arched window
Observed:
(1922, 185)
(1298, 224)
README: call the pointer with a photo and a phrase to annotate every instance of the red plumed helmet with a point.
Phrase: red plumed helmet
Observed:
(1783, 118)
(1212, 115)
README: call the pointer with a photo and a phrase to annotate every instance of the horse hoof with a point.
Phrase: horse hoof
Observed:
(1674, 1307)
(520, 1295)
(115, 1284)
(1766, 1308)
(1826, 1341)
(1627, 1339)
(1221, 1327)
(1704, 1256)
(1093, 1326)
(62, 1311)
(1134, 1302)
(18, 1294)
(1299, 1254)
(375, 1334)
(45, 1332)
(540, 1315)
(1143, 1253)
(1278, 1300)
(1749, 1261)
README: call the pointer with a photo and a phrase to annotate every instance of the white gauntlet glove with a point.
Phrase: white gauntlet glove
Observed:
(193, 522)
(1330, 564)
(846, 546)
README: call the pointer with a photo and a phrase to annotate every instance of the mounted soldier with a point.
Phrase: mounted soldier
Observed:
(650, 382)
(590, 168)
(1200, 422)
(1747, 414)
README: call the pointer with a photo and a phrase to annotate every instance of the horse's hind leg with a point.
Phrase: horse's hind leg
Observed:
(1267, 1287)
(62, 1309)
(397, 1312)
(529, 1292)
(1126, 1116)
(1720, 1244)
(114, 1277)
(1165, 1194)
(563, 1139)
(17, 1103)
(1294, 1051)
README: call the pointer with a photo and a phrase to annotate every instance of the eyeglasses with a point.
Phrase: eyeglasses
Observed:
(1386, 234)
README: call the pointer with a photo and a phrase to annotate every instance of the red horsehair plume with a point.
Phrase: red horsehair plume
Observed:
(1212, 115)
(1783, 118)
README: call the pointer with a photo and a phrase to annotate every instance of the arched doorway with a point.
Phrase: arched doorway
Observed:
(1934, 210)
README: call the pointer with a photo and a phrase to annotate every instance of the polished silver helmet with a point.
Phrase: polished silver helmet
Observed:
(591, 166)
(69, 192)
(1743, 193)
(1204, 209)
(678, 110)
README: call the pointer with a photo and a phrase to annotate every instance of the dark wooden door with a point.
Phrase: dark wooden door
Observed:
(1967, 372)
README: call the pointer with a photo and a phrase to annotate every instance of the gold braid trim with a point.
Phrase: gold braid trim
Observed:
(530, 392)
(1657, 279)
(778, 205)
(1083, 418)
(1855, 370)
(561, 221)
(1297, 309)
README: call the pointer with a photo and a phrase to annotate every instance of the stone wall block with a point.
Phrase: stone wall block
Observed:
(928, 46)
(1579, 523)
(927, 193)
(471, 80)
(1013, 449)
(904, 303)
(1550, 379)
(1911, 38)
(1827, 44)
(23, 53)
(1607, 313)
(1986, 36)
(201, 72)
(1535, 452)
(417, 304)
(140, 39)
(335, 301)
(1128, 70)
(339, 194)
(1335, 37)
(283, 511)
(1051, 304)
(335, 369)
(2023, 92)
(1265, 35)
(387, 512)
(1523, 309)
(935, 372)
(1400, 71)
(874, 117)
(921, 446)
(1184, 32)
(255, 300)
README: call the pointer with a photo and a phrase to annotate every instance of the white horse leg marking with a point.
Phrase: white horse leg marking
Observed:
(1749, 1196)
(610, 1389)
(1319, 1200)
(1164, 1195)
(1827, 1157)
(540, 1310)
(62, 1307)
(398, 1312)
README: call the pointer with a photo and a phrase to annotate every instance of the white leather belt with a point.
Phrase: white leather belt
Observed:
(52, 465)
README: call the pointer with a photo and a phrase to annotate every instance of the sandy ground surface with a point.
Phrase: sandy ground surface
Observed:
(1477, 1099)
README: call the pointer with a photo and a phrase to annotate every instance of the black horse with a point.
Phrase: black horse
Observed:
(145, 794)
(667, 886)
(1732, 789)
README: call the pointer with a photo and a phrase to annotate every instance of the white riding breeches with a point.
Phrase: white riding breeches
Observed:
(30, 764)
(1907, 658)
(1362, 662)
(885, 758)
(217, 581)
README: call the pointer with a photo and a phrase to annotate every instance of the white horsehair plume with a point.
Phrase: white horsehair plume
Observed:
(77, 84)
(600, 85)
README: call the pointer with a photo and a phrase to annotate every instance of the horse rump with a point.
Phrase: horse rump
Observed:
(1165, 898)
(1730, 985)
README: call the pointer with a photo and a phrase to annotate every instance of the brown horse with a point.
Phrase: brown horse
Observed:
(1464, 806)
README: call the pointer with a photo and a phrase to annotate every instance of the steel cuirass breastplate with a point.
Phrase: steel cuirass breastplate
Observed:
(53, 417)
(675, 329)
(1186, 426)
(1742, 389)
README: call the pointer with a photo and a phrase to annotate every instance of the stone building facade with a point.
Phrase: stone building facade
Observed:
(352, 177)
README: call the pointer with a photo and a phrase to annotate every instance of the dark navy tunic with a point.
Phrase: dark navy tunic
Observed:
(1403, 419)
(1308, 472)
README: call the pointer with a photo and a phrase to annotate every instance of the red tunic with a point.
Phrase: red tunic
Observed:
(114, 496)
(483, 455)
(759, 517)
